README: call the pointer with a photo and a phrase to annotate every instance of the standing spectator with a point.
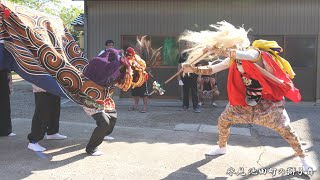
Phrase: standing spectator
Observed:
(45, 119)
(141, 92)
(109, 44)
(188, 81)
(144, 50)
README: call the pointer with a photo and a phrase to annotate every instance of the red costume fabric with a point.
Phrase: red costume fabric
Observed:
(271, 90)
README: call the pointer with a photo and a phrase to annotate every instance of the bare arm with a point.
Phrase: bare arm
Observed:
(268, 74)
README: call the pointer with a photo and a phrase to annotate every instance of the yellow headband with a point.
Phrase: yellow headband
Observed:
(273, 48)
(267, 45)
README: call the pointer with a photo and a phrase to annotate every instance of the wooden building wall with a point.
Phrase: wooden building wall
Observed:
(110, 19)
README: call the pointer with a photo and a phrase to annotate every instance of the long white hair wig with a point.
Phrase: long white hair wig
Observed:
(224, 36)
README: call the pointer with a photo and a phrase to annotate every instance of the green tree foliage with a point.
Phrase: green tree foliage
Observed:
(55, 7)
(37, 4)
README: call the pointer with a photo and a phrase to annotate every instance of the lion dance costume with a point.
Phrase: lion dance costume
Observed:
(41, 50)
(258, 81)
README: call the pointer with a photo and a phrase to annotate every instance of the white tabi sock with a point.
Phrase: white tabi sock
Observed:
(217, 151)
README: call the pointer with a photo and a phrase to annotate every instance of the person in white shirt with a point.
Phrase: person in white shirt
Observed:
(109, 44)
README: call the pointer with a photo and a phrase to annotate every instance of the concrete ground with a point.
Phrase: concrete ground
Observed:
(163, 143)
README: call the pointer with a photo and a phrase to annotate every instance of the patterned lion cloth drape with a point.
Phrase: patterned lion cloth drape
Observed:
(42, 51)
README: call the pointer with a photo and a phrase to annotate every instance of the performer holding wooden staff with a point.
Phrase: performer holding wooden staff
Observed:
(258, 81)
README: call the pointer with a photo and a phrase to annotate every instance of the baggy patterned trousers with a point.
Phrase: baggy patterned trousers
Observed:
(266, 113)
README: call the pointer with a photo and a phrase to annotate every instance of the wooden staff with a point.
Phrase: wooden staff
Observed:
(180, 71)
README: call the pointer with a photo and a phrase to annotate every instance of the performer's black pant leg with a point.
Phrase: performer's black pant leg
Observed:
(53, 122)
(104, 127)
(41, 116)
(5, 110)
